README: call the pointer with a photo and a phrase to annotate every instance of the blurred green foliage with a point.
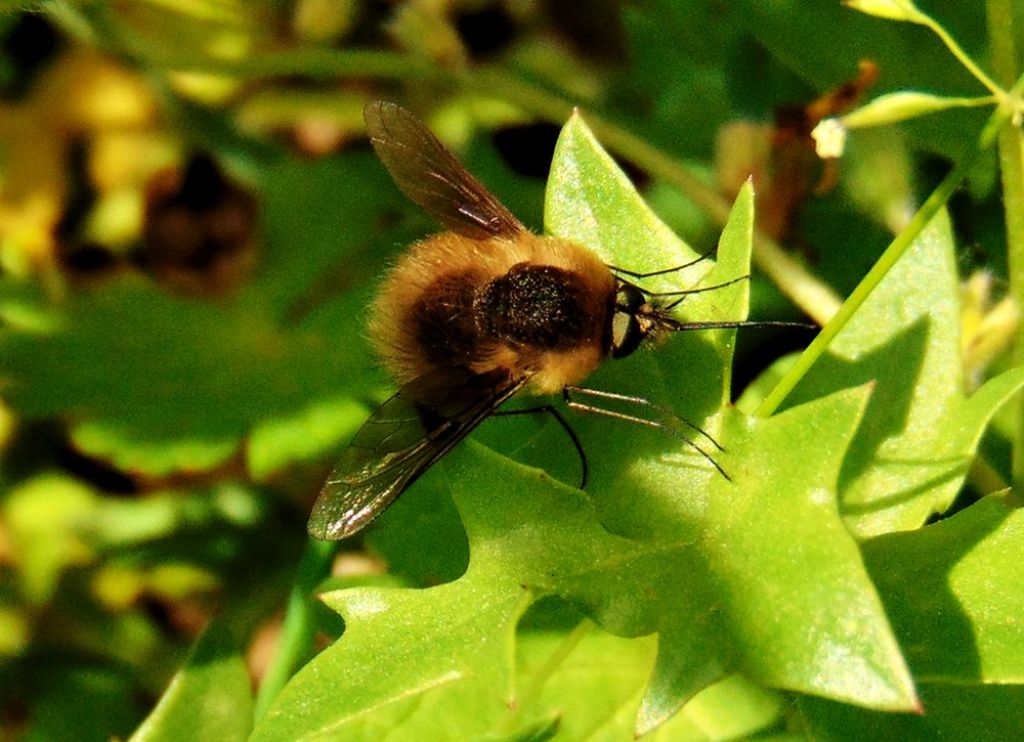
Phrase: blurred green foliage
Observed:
(191, 227)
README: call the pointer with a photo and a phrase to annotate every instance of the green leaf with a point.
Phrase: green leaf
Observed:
(163, 384)
(457, 634)
(597, 689)
(988, 712)
(773, 544)
(590, 200)
(710, 616)
(895, 107)
(276, 442)
(645, 499)
(753, 572)
(919, 433)
(895, 10)
(951, 591)
(41, 519)
(208, 698)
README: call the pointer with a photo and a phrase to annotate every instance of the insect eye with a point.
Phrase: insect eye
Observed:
(626, 334)
(627, 331)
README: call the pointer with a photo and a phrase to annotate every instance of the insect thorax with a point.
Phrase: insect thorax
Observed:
(537, 306)
(531, 307)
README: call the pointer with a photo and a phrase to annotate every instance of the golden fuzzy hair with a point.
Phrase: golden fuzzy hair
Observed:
(451, 257)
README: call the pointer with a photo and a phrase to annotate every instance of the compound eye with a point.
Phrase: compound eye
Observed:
(628, 298)
(627, 332)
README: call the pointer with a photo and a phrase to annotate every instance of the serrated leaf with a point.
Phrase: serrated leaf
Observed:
(598, 687)
(776, 550)
(457, 634)
(951, 592)
(766, 548)
(981, 712)
(752, 572)
(208, 698)
(756, 548)
(911, 454)
(644, 499)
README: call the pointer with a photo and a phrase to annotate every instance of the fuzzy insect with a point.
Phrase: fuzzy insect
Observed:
(472, 316)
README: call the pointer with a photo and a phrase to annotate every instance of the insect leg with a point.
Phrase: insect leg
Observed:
(553, 411)
(700, 290)
(663, 271)
(568, 391)
(640, 402)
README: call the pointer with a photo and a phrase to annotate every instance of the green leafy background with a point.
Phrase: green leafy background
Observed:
(851, 576)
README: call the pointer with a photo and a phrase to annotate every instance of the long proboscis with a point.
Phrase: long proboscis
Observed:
(677, 326)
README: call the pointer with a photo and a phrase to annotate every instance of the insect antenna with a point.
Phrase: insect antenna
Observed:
(682, 294)
(660, 312)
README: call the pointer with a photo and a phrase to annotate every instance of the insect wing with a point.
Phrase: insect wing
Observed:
(400, 441)
(431, 176)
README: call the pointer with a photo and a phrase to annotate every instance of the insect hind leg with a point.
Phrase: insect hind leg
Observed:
(560, 418)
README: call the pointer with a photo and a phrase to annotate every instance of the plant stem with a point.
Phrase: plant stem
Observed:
(1006, 64)
(963, 57)
(897, 247)
(544, 672)
(298, 629)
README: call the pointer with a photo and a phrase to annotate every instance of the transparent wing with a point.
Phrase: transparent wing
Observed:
(400, 441)
(431, 176)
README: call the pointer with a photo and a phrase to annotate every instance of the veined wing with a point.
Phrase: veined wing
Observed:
(400, 441)
(431, 176)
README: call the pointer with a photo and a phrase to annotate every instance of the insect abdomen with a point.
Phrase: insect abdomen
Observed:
(446, 327)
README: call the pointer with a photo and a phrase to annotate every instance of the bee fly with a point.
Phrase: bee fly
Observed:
(472, 316)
